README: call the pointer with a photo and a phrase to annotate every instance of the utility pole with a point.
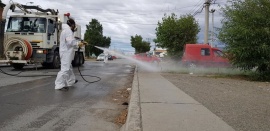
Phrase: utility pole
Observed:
(212, 33)
(206, 28)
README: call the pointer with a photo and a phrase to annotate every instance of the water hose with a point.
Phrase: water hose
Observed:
(14, 42)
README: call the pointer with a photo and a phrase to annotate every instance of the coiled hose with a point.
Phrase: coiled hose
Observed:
(12, 43)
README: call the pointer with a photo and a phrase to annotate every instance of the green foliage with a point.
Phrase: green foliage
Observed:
(173, 33)
(94, 36)
(246, 31)
(139, 45)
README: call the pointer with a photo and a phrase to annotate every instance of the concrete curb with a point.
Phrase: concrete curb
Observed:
(133, 122)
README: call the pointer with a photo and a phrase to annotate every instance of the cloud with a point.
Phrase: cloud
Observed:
(124, 18)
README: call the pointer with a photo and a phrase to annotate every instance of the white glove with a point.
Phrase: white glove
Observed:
(82, 43)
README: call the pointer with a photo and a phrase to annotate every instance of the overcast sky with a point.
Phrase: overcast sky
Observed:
(122, 19)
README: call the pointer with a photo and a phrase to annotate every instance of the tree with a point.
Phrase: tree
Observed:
(106, 41)
(139, 45)
(246, 31)
(173, 33)
(94, 36)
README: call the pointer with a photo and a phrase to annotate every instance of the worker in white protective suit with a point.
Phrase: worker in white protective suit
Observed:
(106, 55)
(65, 76)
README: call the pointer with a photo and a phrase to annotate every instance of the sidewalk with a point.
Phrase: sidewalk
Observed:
(157, 105)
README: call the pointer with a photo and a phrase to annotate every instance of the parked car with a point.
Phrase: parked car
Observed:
(146, 57)
(203, 55)
(161, 55)
(101, 57)
(110, 57)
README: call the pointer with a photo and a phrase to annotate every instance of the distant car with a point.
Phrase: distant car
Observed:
(110, 57)
(147, 58)
(161, 55)
(101, 57)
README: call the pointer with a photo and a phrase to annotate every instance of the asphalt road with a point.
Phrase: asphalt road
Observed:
(32, 103)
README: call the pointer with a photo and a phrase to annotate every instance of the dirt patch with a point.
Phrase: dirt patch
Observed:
(243, 104)
(121, 97)
(121, 119)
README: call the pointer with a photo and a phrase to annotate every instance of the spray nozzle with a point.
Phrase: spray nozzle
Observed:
(82, 41)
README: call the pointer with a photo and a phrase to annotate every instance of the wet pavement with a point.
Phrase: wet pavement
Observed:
(32, 103)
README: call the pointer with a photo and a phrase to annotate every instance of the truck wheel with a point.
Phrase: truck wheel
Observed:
(81, 59)
(44, 65)
(18, 66)
(76, 61)
(56, 60)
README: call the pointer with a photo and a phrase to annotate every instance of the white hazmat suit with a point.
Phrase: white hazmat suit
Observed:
(65, 76)
(106, 55)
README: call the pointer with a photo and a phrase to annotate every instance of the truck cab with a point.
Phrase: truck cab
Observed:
(39, 31)
(203, 55)
(32, 37)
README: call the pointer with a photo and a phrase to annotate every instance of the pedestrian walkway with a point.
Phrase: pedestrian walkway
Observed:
(158, 105)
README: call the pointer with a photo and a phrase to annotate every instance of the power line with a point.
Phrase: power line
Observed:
(160, 10)
(144, 14)
(199, 10)
(128, 23)
(154, 12)
(198, 7)
(199, 4)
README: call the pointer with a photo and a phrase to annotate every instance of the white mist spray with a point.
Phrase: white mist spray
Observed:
(144, 65)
